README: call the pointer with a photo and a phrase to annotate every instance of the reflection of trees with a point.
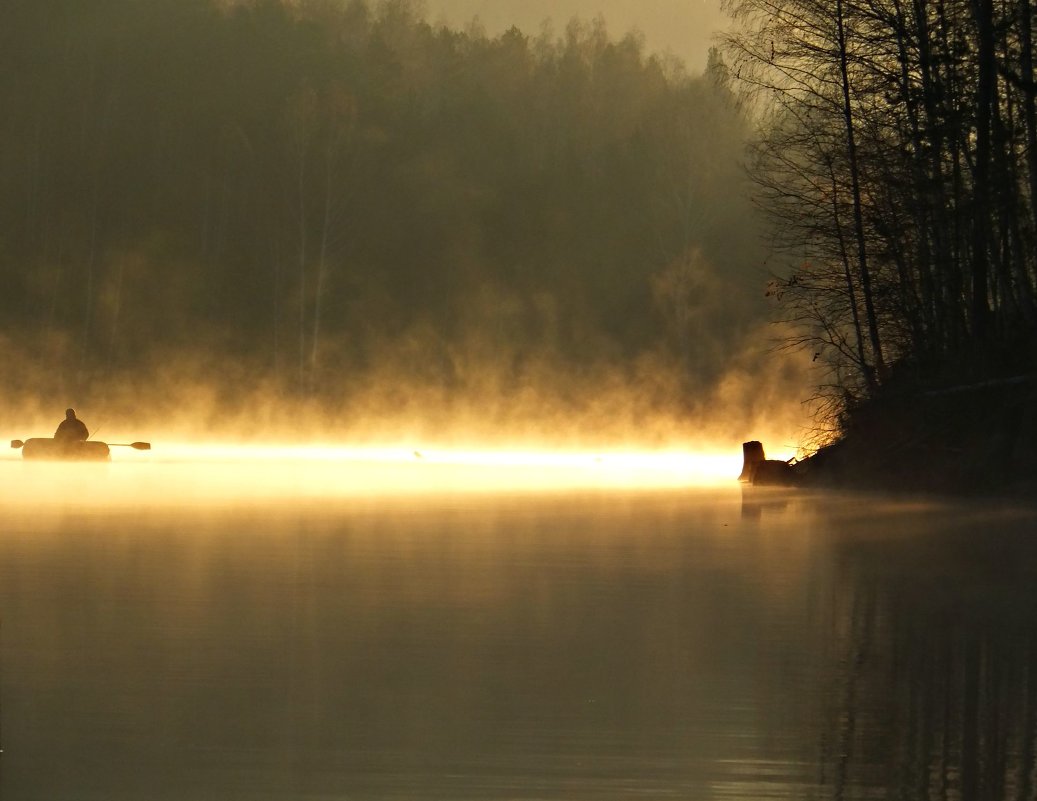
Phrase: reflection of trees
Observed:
(933, 694)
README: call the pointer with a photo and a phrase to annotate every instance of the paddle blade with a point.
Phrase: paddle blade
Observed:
(16, 443)
(141, 446)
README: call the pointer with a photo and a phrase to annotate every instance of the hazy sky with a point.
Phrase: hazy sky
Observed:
(683, 27)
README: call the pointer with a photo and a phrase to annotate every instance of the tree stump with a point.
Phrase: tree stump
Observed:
(752, 455)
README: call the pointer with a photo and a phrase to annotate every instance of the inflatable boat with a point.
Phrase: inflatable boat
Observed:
(48, 448)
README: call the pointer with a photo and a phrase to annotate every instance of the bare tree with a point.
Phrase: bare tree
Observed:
(917, 123)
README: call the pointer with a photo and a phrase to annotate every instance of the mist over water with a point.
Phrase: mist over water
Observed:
(651, 404)
(590, 642)
(341, 222)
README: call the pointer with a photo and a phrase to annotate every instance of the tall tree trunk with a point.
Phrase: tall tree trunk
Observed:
(986, 88)
(934, 195)
(851, 291)
(858, 212)
(1018, 269)
(1029, 101)
(951, 287)
(923, 209)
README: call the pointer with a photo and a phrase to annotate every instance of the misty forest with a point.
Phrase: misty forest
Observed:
(311, 197)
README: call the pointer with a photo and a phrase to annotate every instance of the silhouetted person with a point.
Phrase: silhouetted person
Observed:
(72, 429)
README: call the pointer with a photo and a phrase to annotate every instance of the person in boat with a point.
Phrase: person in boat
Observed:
(71, 429)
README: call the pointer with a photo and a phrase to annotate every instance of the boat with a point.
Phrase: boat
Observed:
(50, 449)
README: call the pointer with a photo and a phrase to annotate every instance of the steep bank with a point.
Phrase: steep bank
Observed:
(975, 439)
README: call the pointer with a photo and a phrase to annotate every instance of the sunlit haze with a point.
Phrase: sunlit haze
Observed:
(179, 473)
(490, 274)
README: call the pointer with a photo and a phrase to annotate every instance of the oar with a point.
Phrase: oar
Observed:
(137, 446)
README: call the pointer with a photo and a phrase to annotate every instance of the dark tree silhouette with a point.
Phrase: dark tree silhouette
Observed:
(932, 180)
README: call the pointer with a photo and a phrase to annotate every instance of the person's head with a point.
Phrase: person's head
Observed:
(70, 414)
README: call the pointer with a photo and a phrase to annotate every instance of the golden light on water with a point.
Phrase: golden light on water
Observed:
(202, 473)
(389, 469)
(699, 464)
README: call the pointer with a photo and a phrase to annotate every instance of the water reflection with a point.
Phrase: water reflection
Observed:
(932, 694)
(757, 500)
(580, 645)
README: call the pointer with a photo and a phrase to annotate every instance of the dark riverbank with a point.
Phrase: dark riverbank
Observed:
(978, 439)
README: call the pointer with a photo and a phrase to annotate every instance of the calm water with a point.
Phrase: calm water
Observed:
(688, 644)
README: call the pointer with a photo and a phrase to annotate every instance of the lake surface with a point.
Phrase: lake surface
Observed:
(583, 643)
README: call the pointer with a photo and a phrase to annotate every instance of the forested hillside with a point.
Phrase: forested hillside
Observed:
(306, 193)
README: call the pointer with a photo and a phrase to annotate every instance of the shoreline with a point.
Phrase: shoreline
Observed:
(976, 440)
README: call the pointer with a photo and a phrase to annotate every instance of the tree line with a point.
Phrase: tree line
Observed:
(304, 186)
(896, 159)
